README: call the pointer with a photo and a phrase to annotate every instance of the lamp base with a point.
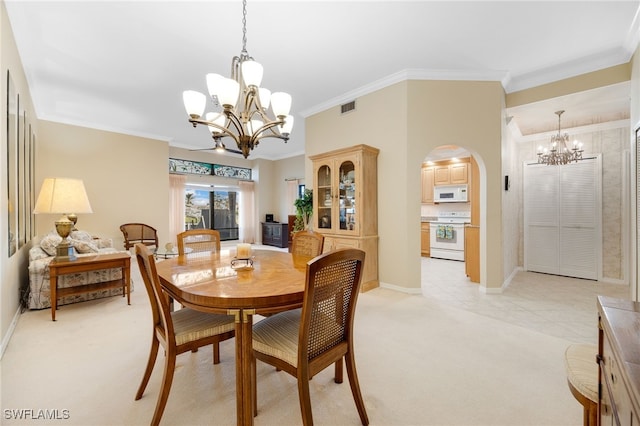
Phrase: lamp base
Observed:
(65, 252)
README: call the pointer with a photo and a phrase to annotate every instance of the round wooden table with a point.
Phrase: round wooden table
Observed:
(207, 282)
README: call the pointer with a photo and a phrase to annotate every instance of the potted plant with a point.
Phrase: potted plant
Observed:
(304, 210)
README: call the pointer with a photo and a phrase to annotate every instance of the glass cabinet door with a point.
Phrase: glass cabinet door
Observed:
(325, 199)
(347, 189)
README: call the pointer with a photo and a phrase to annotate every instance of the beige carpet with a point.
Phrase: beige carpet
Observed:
(420, 363)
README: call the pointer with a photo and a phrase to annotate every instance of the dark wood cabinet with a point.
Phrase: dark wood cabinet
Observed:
(275, 234)
(619, 360)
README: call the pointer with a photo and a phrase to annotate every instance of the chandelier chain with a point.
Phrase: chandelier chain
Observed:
(244, 116)
(244, 28)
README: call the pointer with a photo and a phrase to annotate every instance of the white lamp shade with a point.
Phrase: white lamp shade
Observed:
(217, 118)
(213, 83)
(62, 195)
(228, 94)
(280, 104)
(265, 97)
(252, 73)
(253, 126)
(287, 126)
(194, 103)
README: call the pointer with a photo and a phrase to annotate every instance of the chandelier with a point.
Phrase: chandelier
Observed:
(243, 116)
(558, 153)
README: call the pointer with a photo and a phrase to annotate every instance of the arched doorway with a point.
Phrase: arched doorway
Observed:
(450, 216)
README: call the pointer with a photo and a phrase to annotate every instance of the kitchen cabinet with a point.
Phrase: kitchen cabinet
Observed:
(472, 253)
(451, 174)
(345, 203)
(427, 184)
(275, 234)
(443, 173)
(425, 239)
(619, 365)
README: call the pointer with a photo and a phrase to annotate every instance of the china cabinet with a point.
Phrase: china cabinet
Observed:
(345, 203)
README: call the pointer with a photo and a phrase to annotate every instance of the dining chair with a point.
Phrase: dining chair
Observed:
(307, 243)
(139, 233)
(198, 240)
(179, 331)
(305, 341)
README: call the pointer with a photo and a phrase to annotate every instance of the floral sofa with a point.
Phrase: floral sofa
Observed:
(40, 255)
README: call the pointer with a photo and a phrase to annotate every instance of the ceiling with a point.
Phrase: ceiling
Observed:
(122, 65)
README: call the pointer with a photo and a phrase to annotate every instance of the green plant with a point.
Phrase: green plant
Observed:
(304, 210)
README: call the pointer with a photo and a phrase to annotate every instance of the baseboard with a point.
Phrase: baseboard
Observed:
(412, 290)
(7, 337)
(613, 281)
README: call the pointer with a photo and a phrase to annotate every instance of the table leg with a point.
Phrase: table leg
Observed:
(53, 287)
(244, 348)
(127, 280)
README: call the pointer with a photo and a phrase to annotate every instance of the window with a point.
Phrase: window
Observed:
(223, 217)
(225, 214)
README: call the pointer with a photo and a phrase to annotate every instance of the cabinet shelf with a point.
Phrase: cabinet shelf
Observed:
(351, 220)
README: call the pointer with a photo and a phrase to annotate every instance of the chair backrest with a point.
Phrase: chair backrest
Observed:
(139, 233)
(332, 286)
(307, 243)
(199, 240)
(160, 308)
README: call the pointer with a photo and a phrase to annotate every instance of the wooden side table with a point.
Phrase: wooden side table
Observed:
(85, 264)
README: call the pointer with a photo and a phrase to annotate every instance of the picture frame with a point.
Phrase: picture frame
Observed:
(20, 176)
(12, 175)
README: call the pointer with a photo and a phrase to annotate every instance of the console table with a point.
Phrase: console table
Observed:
(275, 234)
(619, 361)
(89, 263)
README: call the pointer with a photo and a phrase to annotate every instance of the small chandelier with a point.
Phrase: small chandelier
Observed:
(558, 153)
(244, 104)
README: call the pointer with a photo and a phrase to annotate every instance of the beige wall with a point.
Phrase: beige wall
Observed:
(289, 168)
(406, 121)
(467, 114)
(126, 177)
(13, 270)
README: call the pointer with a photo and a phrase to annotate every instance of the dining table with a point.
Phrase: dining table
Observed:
(269, 281)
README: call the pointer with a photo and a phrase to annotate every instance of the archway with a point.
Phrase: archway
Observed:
(451, 228)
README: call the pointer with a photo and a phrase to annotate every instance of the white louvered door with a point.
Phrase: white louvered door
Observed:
(541, 215)
(562, 219)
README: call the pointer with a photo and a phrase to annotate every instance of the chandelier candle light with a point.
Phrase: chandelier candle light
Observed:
(244, 104)
(558, 153)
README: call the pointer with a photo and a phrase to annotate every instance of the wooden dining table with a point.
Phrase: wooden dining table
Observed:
(208, 282)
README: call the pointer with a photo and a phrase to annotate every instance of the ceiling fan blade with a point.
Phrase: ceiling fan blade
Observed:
(234, 151)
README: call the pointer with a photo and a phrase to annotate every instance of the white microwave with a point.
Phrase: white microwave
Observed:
(450, 194)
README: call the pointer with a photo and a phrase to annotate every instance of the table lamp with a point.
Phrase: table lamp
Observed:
(65, 196)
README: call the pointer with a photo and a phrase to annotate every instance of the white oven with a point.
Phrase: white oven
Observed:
(447, 235)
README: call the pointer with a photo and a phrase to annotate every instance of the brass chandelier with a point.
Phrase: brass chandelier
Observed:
(244, 104)
(558, 153)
